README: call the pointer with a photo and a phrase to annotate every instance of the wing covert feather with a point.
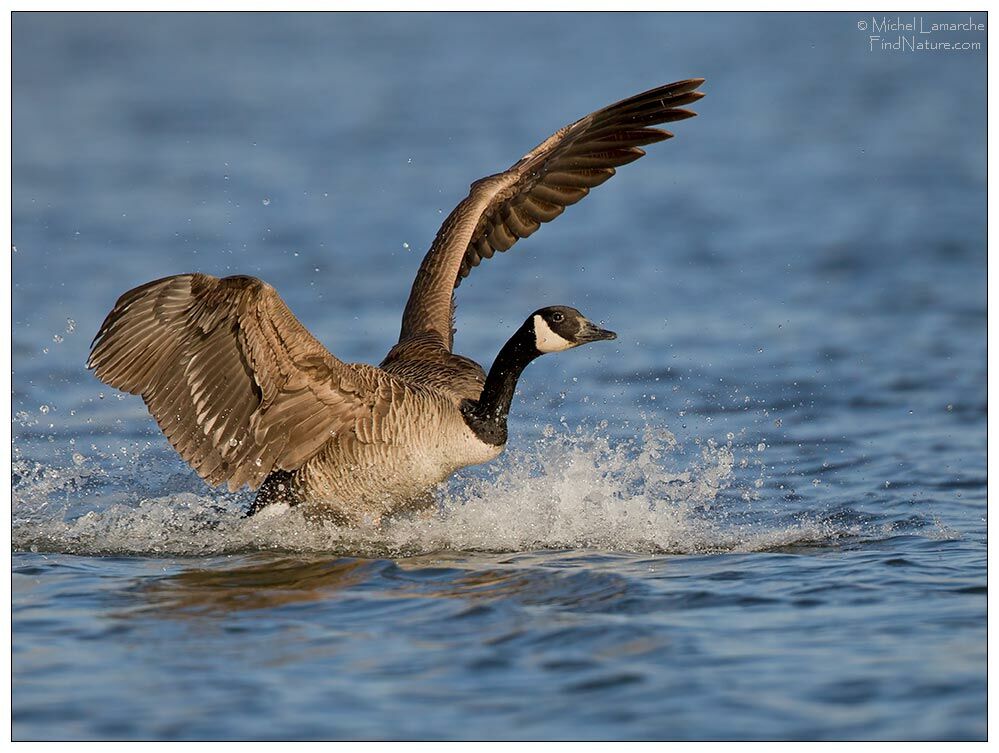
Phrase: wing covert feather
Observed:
(237, 384)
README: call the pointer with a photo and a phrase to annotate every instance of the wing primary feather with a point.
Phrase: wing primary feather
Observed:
(556, 173)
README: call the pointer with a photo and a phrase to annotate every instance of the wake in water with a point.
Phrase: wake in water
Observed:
(575, 490)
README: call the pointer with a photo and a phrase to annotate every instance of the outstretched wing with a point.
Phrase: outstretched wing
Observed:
(237, 384)
(511, 205)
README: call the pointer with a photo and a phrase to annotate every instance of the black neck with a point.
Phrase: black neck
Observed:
(487, 415)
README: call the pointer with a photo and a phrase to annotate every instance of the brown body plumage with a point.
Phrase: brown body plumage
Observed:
(248, 396)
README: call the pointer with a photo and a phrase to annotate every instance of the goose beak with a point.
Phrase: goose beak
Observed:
(591, 333)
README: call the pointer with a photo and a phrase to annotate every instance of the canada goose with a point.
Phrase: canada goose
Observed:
(247, 395)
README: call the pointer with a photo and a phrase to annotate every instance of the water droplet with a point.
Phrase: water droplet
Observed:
(43, 408)
(266, 201)
(816, 482)
(730, 436)
(949, 407)
(258, 462)
(778, 423)
(761, 446)
(57, 338)
(70, 325)
(405, 246)
(233, 442)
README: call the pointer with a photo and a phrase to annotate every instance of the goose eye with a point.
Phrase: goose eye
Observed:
(557, 316)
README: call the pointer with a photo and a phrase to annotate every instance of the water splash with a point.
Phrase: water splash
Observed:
(570, 490)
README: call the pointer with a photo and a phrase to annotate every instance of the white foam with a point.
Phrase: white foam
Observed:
(575, 490)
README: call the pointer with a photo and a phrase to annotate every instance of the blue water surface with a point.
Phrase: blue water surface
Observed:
(760, 513)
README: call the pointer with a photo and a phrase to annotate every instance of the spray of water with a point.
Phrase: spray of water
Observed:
(569, 490)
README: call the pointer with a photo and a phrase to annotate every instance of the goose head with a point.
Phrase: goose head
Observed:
(557, 328)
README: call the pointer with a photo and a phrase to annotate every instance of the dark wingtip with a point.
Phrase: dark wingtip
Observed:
(681, 87)
(679, 113)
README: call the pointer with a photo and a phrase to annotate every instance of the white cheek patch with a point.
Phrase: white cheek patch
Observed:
(546, 339)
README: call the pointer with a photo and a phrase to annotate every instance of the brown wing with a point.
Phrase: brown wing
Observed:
(237, 384)
(511, 205)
